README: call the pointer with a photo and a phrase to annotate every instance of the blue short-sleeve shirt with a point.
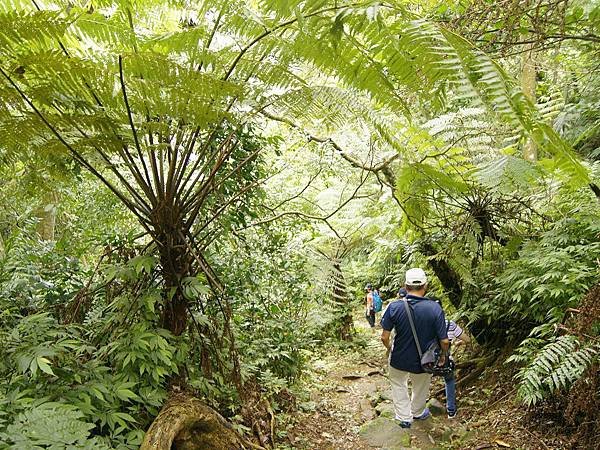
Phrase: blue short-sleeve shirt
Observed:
(430, 324)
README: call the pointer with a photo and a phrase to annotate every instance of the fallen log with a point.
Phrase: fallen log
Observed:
(185, 423)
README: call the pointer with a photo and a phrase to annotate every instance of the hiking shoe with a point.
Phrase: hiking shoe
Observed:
(404, 424)
(424, 415)
(451, 414)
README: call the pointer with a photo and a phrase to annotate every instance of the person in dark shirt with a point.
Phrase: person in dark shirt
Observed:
(404, 360)
(370, 310)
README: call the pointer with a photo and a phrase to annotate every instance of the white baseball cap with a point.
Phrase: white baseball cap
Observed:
(416, 277)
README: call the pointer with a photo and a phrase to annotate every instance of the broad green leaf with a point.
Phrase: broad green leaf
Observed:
(44, 365)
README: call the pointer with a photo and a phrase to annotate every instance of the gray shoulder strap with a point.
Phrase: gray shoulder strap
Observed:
(412, 326)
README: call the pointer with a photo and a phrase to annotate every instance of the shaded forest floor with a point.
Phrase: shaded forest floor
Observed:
(349, 407)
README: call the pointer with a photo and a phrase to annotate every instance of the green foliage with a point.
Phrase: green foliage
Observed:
(386, 54)
(417, 182)
(507, 173)
(166, 104)
(50, 425)
(38, 275)
(552, 273)
(271, 297)
(557, 365)
(113, 373)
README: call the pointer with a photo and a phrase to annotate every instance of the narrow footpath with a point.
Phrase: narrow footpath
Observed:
(352, 408)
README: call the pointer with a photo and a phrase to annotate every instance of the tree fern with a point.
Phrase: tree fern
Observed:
(159, 100)
(556, 366)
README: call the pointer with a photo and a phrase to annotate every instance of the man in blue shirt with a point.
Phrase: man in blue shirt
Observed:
(404, 362)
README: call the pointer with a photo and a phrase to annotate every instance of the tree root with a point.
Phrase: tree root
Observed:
(472, 362)
(185, 423)
(254, 446)
(272, 422)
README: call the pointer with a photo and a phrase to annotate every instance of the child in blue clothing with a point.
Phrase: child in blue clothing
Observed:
(457, 337)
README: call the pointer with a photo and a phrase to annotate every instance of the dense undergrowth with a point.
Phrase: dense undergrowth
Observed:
(192, 198)
(83, 347)
(105, 377)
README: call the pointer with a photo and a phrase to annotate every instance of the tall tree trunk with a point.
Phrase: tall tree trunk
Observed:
(529, 84)
(176, 264)
(449, 278)
(47, 214)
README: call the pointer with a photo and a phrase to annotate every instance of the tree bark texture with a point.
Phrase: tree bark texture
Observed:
(340, 297)
(47, 215)
(529, 84)
(176, 263)
(185, 423)
(450, 280)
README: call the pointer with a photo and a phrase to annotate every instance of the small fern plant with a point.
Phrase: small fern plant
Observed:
(51, 425)
(557, 365)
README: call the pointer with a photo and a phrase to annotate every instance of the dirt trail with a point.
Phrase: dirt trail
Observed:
(352, 407)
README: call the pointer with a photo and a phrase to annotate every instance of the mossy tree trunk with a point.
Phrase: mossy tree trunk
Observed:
(185, 423)
(47, 216)
(529, 85)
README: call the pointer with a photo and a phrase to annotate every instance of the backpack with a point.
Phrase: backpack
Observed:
(377, 302)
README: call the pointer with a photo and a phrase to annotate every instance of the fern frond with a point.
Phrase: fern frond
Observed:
(507, 172)
(550, 106)
(556, 366)
(418, 182)
(34, 28)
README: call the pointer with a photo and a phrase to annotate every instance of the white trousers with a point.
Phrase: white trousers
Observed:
(406, 407)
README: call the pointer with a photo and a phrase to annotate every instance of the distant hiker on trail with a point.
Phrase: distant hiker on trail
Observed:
(369, 311)
(405, 362)
(377, 303)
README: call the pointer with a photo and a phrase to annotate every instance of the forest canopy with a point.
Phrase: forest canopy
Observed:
(194, 194)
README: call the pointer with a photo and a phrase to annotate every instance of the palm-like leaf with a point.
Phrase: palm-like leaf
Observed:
(160, 95)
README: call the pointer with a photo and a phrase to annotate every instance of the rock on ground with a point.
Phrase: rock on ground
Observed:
(386, 434)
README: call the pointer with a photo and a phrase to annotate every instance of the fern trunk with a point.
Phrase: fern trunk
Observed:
(176, 264)
(340, 297)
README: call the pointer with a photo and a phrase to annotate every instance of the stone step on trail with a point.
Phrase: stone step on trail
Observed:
(385, 433)
(385, 409)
